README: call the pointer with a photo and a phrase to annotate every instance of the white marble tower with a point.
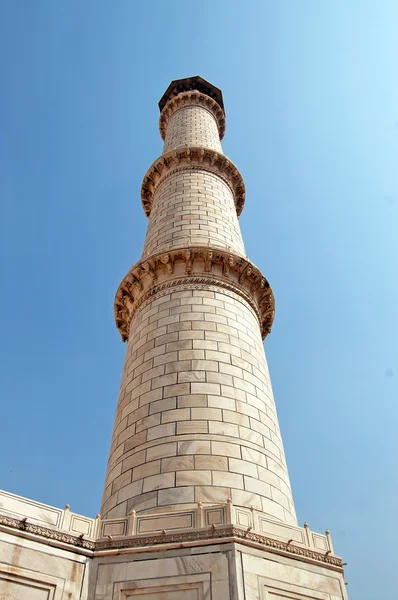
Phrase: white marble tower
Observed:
(196, 418)
(197, 503)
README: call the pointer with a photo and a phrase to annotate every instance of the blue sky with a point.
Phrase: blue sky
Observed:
(311, 96)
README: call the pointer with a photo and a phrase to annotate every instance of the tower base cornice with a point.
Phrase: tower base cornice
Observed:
(193, 267)
(218, 523)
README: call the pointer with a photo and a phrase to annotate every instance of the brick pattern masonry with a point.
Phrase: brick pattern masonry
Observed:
(196, 419)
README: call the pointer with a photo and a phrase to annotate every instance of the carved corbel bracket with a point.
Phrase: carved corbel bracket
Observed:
(192, 158)
(198, 266)
(191, 98)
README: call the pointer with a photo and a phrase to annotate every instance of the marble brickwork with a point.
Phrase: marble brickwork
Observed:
(196, 419)
(193, 208)
(195, 128)
(192, 126)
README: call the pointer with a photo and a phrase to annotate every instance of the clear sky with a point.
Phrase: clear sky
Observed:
(311, 96)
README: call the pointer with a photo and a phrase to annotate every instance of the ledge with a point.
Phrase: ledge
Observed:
(193, 267)
(191, 83)
(185, 526)
(192, 158)
(204, 536)
(193, 98)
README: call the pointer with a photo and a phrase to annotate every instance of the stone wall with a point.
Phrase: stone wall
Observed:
(33, 570)
(221, 572)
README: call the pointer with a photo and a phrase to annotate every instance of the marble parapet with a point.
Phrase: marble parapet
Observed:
(199, 525)
(39, 514)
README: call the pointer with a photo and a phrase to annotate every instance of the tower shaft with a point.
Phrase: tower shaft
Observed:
(196, 419)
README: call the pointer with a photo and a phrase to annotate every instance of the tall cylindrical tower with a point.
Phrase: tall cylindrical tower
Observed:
(197, 502)
(196, 419)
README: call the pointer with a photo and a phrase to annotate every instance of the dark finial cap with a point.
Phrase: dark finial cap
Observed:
(191, 83)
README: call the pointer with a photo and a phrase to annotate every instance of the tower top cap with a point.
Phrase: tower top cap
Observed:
(191, 83)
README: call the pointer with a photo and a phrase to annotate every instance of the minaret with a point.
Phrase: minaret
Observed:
(197, 502)
(196, 420)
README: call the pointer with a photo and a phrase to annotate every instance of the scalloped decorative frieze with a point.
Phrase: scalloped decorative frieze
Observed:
(229, 532)
(191, 98)
(195, 267)
(47, 532)
(192, 158)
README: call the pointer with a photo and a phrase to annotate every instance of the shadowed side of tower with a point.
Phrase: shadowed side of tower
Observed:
(196, 419)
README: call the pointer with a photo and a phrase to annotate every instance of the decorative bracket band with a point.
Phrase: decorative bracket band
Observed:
(191, 98)
(208, 534)
(200, 265)
(192, 158)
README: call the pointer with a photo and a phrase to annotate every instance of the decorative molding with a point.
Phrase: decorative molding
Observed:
(47, 532)
(192, 158)
(188, 84)
(194, 268)
(188, 99)
(211, 534)
(197, 283)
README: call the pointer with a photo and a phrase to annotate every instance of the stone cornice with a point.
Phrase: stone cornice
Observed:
(187, 99)
(46, 532)
(230, 533)
(192, 158)
(194, 267)
(210, 535)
